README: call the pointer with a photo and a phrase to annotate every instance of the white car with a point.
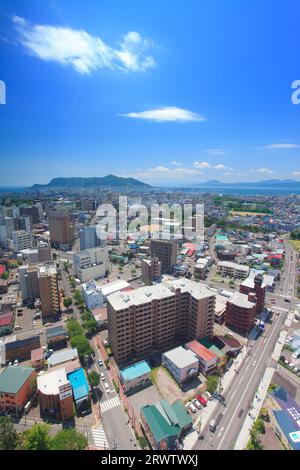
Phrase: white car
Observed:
(107, 387)
(16, 362)
(192, 407)
(18, 327)
(102, 376)
(296, 370)
(291, 365)
(296, 355)
(100, 362)
(209, 395)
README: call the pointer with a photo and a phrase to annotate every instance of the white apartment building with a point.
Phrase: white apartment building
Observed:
(21, 240)
(91, 264)
(234, 270)
(92, 295)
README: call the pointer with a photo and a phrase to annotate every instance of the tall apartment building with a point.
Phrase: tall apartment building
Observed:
(151, 270)
(48, 288)
(154, 318)
(91, 264)
(61, 230)
(21, 240)
(40, 281)
(10, 223)
(166, 252)
(89, 238)
(240, 312)
(255, 286)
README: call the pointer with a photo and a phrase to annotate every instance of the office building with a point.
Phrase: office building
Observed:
(91, 264)
(21, 240)
(55, 394)
(61, 230)
(166, 252)
(17, 385)
(89, 238)
(31, 211)
(156, 317)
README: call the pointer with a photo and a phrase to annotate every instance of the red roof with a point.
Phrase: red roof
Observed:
(2, 269)
(5, 321)
(274, 256)
(201, 351)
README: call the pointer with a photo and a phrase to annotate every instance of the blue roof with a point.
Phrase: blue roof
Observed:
(79, 384)
(288, 427)
(135, 371)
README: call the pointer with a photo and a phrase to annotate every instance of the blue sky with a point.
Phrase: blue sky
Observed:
(168, 92)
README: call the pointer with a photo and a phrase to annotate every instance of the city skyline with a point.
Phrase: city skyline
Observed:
(168, 95)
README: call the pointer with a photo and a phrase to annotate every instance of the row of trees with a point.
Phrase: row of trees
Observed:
(38, 438)
(78, 339)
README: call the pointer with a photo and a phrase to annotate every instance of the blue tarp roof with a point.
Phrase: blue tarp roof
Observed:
(79, 384)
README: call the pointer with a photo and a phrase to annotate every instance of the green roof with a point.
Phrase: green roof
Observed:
(209, 345)
(13, 378)
(160, 428)
(183, 417)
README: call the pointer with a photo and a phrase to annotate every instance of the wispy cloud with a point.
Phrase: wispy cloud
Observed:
(163, 172)
(296, 173)
(82, 51)
(169, 113)
(281, 146)
(176, 163)
(262, 171)
(215, 152)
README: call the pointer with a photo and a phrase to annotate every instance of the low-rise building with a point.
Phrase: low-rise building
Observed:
(80, 388)
(135, 377)
(92, 295)
(181, 363)
(55, 394)
(37, 358)
(20, 348)
(17, 385)
(208, 361)
(61, 357)
(234, 270)
(164, 424)
(56, 337)
(91, 264)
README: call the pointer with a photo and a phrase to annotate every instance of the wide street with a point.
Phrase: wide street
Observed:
(257, 357)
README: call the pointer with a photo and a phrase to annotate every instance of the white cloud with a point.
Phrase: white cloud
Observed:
(202, 165)
(219, 166)
(262, 171)
(296, 173)
(176, 163)
(281, 146)
(167, 173)
(82, 51)
(168, 113)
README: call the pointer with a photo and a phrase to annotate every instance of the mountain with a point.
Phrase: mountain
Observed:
(254, 184)
(109, 181)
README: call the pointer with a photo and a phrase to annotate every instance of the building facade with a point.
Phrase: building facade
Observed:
(166, 252)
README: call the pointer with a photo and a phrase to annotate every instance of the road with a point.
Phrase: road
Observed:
(240, 394)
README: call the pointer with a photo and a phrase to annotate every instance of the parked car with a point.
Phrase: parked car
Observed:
(16, 362)
(191, 407)
(291, 365)
(107, 387)
(197, 404)
(202, 400)
(209, 395)
(102, 376)
(296, 355)
(100, 362)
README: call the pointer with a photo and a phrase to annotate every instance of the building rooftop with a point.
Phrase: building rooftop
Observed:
(231, 264)
(201, 351)
(181, 357)
(163, 290)
(79, 384)
(135, 371)
(56, 331)
(48, 383)
(241, 300)
(60, 357)
(13, 377)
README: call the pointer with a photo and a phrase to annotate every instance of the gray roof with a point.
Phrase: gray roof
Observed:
(181, 357)
(60, 357)
(56, 331)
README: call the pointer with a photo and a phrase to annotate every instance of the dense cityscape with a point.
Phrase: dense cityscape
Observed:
(149, 231)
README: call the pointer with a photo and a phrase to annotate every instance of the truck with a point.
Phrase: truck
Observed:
(212, 425)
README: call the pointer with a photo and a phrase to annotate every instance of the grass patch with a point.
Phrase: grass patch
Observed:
(295, 244)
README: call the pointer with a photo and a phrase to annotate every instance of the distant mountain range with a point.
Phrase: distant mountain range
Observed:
(255, 184)
(110, 181)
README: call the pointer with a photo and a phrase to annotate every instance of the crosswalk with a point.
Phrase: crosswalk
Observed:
(99, 437)
(109, 404)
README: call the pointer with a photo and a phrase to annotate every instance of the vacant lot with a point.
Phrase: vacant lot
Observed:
(295, 244)
(169, 389)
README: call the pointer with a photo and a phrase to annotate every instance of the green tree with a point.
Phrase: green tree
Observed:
(94, 379)
(74, 328)
(8, 435)
(69, 439)
(90, 325)
(212, 383)
(66, 266)
(5, 275)
(36, 438)
(67, 302)
(82, 344)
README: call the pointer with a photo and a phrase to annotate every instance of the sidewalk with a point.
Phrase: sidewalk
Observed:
(207, 412)
(244, 435)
